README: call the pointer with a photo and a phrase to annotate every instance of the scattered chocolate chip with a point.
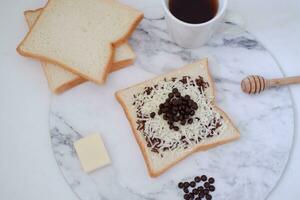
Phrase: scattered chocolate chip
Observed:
(180, 185)
(211, 188)
(179, 101)
(201, 188)
(195, 191)
(186, 184)
(190, 121)
(195, 106)
(192, 196)
(177, 94)
(192, 112)
(203, 178)
(186, 190)
(201, 194)
(176, 128)
(176, 118)
(206, 191)
(152, 115)
(197, 179)
(183, 122)
(192, 184)
(211, 180)
(208, 197)
(206, 184)
(175, 90)
(186, 196)
(170, 95)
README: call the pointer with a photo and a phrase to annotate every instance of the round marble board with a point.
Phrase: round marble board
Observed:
(246, 169)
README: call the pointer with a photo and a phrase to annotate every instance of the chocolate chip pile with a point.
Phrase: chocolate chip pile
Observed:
(177, 109)
(200, 192)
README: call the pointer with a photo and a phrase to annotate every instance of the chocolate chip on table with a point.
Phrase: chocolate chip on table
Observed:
(192, 196)
(176, 128)
(200, 188)
(180, 185)
(186, 190)
(195, 191)
(152, 115)
(208, 197)
(192, 184)
(190, 121)
(186, 196)
(186, 184)
(201, 194)
(206, 184)
(211, 188)
(206, 191)
(211, 180)
(203, 178)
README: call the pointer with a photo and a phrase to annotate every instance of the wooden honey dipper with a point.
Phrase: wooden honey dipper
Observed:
(255, 84)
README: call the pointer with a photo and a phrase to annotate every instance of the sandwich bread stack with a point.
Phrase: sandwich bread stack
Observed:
(79, 40)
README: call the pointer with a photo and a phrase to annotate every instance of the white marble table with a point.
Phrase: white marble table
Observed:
(246, 169)
(28, 169)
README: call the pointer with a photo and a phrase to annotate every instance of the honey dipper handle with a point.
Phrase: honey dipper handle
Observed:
(282, 81)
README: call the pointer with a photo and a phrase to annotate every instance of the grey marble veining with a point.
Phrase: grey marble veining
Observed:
(244, 170)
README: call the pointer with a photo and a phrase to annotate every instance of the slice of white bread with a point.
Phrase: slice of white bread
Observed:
(59, 79)
(79, 35)
(139, 101)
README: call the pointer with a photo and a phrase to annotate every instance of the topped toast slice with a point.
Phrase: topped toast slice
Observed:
(174, 115)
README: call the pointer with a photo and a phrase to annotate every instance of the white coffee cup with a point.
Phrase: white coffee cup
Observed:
(193, 35)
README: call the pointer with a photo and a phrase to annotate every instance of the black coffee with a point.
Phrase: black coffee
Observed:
(194, 11)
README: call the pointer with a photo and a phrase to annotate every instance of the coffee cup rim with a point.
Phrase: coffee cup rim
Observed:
(219, 14)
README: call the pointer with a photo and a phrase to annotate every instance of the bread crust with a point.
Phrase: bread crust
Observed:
(69, 85)
(102, 76)
(155, 173)
(79, 80)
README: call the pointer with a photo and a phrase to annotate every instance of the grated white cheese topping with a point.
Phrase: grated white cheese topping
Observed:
(157, 127)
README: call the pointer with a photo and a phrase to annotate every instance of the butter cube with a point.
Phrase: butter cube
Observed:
(91, 152)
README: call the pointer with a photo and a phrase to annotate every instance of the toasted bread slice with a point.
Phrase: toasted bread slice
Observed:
(59, 79)
(79, 35)
(161, 146)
